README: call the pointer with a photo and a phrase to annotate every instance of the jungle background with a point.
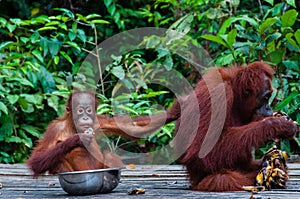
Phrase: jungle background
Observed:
(43, 43)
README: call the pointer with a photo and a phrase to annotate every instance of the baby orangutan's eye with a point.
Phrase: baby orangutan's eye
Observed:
(80, 111)
(89, 111)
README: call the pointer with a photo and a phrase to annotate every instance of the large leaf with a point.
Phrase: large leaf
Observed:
(13, 98)
(65, 12)
(291, 40)
(53, 102)
(46, 79)
(6, 127)
(23, 81)
(270, 2)
(266, 25)
(3, 108)
(74, 45)
(291, 2)
(25, 106)
(214, 38)
(5, 44)
(11, 27)
(91, 16)
(38, 55)
(276, 56)
(126, 109)
(297, 36)
(54, 46)
(118, 71)
(286, 101)
(31, 130)
(99, 21)
(67, 57)
(231, 37)
(180, 28)
(227, 23)
(289, 18)
(34, 99)
(47, 28)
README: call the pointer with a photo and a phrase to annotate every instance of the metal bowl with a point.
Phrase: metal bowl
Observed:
(90, 181)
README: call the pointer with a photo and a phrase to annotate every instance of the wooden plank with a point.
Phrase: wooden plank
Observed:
(159, 181)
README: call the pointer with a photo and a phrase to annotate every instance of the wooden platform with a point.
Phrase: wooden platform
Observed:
(159, 181)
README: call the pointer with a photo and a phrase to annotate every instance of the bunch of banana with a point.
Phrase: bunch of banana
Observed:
(273, 174)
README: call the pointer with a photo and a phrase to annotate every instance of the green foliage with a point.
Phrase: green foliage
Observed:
(42, 52)
(37, 58)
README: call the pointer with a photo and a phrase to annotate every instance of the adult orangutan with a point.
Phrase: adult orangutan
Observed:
(65, 146)
(218, 155)
(228, 165)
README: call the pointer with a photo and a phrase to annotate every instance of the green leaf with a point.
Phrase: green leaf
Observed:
(227, 23)
(291, 2)
(179, 29)
(91, 16)
(291, 40)
(35, 37)
(44, 45)
(266, 24)
(127, 109)
(7, 126)
(31, 130)
(152, 42)
(40, 19)
(38, 55)
(273, 37)
(53, 102)
(46, 79)
(5, 44)
(47, 28)
(3, 22)
(297, 36)
(289, 18)
(3, 108)
(80, 17)
(56, 59)
(276, 56)
(118, 71)
(74, 45)
(13, 139)
(231, 37)
(25, 106)
(13, 99)
(22, 81)
(66, 12)
(11, 27)
(67, 57)
(81, 35)
(151, 94)
(24, 39)
(99, 21)
(225, 60)
(214, 38)
(168, 63)
(270, 2)
(291, 65)
(54, 46)
(107, 2)
(34, 99)
(162, 52)
(51, 23)
(286, 101)
(72, 35)
(140, 82)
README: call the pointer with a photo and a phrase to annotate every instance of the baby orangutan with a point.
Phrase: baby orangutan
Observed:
(66, 145)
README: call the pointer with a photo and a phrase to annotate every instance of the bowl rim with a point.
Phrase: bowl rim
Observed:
(88, 171)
